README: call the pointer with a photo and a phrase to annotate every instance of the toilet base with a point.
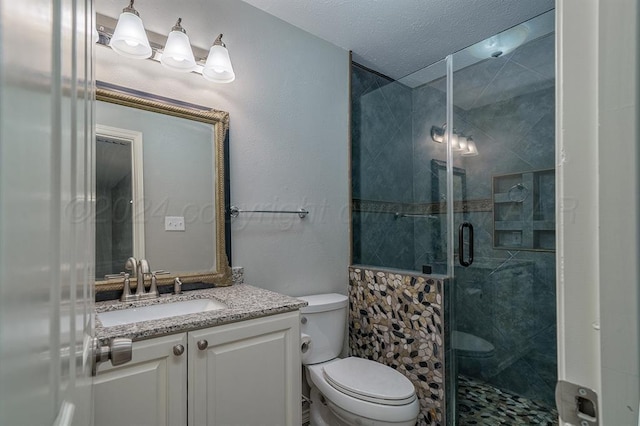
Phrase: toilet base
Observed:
(320, 413)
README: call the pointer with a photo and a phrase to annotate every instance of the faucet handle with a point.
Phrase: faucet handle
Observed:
(126, 289)
(177, 285)
(153, 290)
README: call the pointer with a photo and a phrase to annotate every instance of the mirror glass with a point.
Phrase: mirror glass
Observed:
(439, 197)
(114, 199)
(160, 187)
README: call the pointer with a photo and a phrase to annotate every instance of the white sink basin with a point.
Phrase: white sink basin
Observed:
(154, 312)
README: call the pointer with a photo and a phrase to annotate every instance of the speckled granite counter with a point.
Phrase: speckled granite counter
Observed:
(243, 302)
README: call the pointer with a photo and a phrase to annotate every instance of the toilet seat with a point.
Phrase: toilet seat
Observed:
(369, 381)
(357, 405)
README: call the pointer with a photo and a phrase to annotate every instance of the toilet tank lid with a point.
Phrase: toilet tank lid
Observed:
(323, 302)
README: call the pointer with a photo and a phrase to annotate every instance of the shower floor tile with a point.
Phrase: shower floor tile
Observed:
(482, 404)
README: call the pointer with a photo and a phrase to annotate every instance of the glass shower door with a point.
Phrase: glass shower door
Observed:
(501, 231)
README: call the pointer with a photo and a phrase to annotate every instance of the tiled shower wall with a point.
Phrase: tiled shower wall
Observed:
(397, 318)
(508, 296)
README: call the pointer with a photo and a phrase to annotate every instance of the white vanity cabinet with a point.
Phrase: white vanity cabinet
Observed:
(151, 389)
(242, 373)
(246, 373)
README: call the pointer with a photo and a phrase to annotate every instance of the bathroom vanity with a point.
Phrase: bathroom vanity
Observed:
(235, 364)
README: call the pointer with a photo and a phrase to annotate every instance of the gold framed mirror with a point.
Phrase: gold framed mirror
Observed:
(173, 153)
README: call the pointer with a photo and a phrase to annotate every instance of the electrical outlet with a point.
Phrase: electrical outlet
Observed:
(174, 223)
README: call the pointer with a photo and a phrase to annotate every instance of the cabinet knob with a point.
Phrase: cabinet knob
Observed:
(178, 350)
(303, 320)
(202, 344)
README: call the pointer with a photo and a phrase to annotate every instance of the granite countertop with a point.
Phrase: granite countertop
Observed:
(243, 302)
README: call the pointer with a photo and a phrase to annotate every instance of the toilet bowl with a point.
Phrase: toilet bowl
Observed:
(349, 391)
(474, 355)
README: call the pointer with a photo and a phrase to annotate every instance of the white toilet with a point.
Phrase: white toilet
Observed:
(349, 391)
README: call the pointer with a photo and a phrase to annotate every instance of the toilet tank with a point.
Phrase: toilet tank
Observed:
(325, 321)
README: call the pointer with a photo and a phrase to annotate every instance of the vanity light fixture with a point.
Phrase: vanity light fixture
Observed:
(174, 52)
(464, 145)
(129, 38)
(177, 54)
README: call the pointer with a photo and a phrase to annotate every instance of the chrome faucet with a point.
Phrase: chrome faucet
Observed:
(140, 269)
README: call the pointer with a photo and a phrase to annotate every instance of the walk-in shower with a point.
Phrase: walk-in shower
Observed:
(453, 174)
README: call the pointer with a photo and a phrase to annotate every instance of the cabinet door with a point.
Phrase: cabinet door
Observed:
(246, 373)
(149, 390)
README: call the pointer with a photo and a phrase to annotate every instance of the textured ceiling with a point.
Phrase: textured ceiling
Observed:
(398, 37)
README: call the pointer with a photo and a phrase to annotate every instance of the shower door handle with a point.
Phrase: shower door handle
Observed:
(461, 259)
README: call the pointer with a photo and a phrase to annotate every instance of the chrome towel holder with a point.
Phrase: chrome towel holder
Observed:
(399, 215)
(302, 213)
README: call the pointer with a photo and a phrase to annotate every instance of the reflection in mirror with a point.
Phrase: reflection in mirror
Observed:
(164, 203)
(114, 218)
(439, 182)
(439, 195)
(119, 199)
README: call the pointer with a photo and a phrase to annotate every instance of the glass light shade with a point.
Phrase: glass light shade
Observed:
(177, 54)
(472, 150)
(462, 142)
(455, 143)
(437, 134)
(129, 38)
(95, 36)
(218, 67)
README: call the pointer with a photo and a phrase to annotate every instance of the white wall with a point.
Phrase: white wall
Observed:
(289, 135)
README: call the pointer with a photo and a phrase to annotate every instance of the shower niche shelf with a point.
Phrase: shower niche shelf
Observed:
(524, 211)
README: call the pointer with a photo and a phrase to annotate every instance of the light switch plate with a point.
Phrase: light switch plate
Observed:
(174, 223)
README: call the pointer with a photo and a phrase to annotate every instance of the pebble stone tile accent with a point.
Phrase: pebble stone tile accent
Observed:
(481, 404)
(397, 319)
